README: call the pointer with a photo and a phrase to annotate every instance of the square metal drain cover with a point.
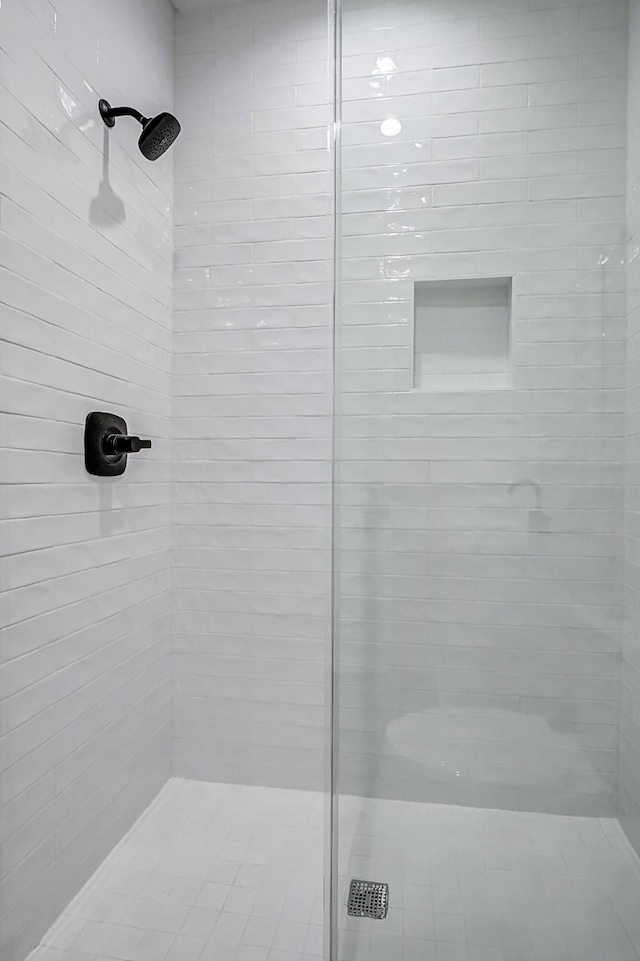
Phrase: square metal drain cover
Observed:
(368, 899)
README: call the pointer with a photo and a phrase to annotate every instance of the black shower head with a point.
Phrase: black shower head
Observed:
(158, 133)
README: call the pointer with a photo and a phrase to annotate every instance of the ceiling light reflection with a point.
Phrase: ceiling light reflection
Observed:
(390, 127)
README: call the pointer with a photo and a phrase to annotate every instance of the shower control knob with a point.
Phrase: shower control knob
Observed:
(124, 444)
(107, 444)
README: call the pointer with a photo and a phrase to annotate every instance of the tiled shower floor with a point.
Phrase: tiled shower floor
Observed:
(468, 884)
(211, 872)
(216, 872)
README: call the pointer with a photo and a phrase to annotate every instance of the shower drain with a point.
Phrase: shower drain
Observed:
(368, 899)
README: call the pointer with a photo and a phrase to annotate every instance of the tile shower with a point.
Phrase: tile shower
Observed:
(368, 607)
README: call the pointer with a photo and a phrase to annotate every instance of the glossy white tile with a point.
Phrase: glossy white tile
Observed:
(86, 290)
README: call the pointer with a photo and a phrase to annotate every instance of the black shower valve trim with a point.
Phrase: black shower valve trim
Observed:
(107, 444)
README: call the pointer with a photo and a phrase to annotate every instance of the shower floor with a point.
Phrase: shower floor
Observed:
(210, 872)
(216, 872)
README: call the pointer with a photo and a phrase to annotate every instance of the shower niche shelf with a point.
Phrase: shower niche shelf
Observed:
(462, 334)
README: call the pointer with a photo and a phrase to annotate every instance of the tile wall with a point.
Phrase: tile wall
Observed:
(480, 530)
(85, 279)
(253, 361)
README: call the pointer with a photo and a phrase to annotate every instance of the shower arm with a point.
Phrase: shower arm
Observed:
(109, 113)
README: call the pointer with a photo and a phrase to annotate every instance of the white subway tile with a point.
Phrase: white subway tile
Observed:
(542, 118)
(88, 698)
(258, 347)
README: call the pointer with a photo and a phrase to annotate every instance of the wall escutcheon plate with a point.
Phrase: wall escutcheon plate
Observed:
(97, 426)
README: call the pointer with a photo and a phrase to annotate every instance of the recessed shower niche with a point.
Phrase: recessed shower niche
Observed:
(462, 334)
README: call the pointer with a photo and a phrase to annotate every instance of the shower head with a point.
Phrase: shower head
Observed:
(158, 133)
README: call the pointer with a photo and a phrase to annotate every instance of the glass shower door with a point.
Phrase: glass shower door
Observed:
(479, 482)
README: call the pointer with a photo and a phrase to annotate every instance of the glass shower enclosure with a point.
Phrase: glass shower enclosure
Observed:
(479, 482)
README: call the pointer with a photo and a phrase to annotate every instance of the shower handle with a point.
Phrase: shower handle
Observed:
(116, 443)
